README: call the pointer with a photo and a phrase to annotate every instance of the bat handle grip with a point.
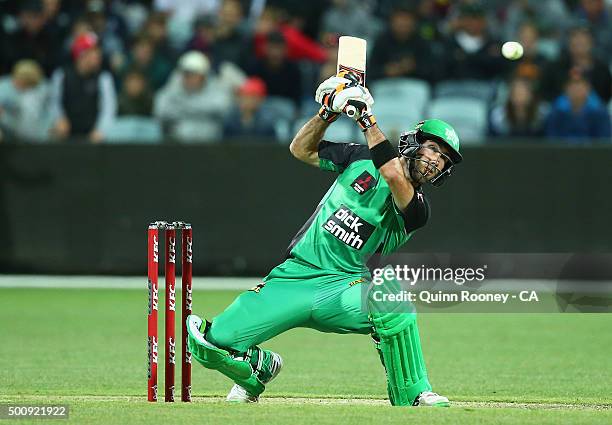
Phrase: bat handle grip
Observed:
(354, 108)
(350, 111)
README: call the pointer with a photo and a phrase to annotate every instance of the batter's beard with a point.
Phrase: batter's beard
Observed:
(415, 175)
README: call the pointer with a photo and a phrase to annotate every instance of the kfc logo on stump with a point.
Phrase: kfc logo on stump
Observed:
(171, 351)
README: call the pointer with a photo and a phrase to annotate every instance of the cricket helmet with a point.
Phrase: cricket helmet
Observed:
(441, 132)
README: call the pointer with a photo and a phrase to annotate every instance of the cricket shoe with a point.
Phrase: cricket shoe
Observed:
(240, 395)
(428, 398)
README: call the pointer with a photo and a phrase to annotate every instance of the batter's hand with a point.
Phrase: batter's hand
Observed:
(329, 86)
(354, 101)
(358, 97)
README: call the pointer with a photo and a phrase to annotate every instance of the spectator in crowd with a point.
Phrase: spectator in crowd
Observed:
(400, 51)
(298, 45)
(550, 16)
(533, 64)
(230, 40)
(431, 14)
(304, 16)
(433, 11)
(222, 38)
(472, 53)
(224, 44)
(521, 115)
(84, 101)
(156, 29)
(281, 76)
(79, 27)
(154, 65)
(578, 114)
(133, 13)
(249, 120)
(33, 39)
(224, 47)
(111, 31)
(426, 39)
(58, 21)
(192, 106)
(136, 97)
(24, 102)
(593, 13)
(203, 39)
(181, 15)
(350, 17)
(581, 59)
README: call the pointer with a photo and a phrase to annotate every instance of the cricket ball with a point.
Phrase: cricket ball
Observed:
(512, 50)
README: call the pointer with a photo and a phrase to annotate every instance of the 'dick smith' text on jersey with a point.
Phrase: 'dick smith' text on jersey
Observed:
(357, 216)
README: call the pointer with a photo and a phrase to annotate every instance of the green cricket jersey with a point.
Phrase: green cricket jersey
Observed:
(357, 216)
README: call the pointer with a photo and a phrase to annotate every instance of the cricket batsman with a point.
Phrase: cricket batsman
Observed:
(373, 207)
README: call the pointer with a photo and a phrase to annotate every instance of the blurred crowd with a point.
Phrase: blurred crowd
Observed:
(205, 71)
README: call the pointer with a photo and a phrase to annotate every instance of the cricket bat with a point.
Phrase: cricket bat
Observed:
(352, 58)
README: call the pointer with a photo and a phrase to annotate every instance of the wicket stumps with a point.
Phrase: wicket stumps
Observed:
(170, 337)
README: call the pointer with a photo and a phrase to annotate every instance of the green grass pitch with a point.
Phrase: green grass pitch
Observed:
(87, 348)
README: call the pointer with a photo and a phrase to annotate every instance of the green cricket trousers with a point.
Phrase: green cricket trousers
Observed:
(294, 294)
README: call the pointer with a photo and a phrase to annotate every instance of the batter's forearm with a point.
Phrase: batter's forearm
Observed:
(391, 168)
(305, 144)
(374, 136)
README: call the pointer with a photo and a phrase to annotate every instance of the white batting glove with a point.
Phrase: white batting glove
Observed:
(354, 101)
(329, 86)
